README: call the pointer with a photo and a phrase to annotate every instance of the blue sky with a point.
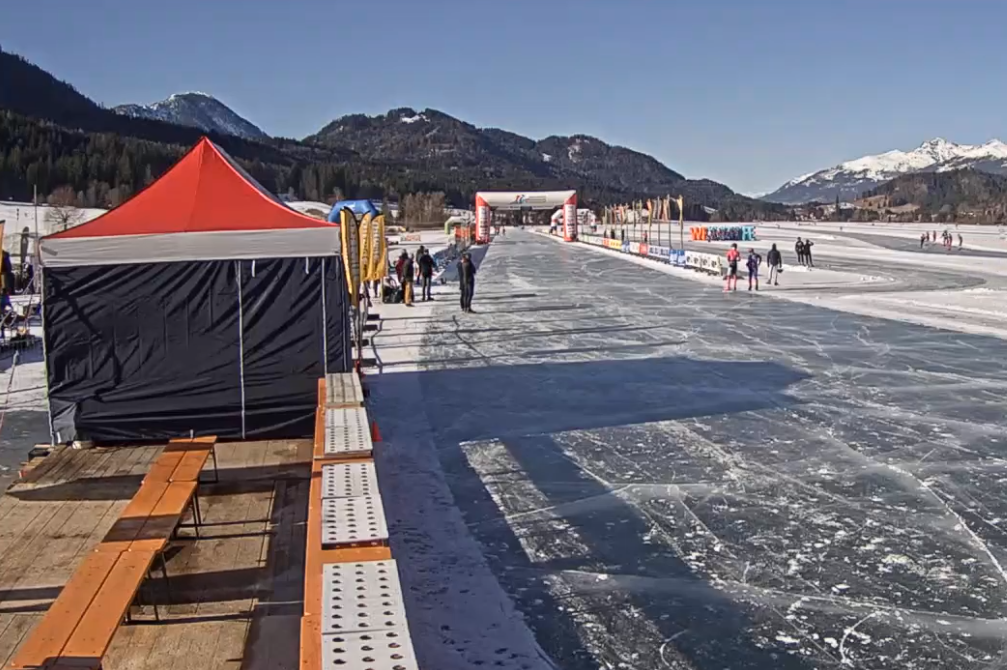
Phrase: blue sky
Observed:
(747, 92)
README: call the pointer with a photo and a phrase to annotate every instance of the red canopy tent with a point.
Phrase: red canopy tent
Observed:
(203, 305)
(205, 193)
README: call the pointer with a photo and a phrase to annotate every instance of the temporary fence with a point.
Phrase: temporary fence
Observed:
(722, 233)
(694, 260)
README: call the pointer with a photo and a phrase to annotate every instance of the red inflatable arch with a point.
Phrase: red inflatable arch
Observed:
(487, 201)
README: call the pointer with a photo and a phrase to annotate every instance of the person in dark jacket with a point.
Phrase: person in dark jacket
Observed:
(467, 281)
(426, 263)
(408, 274)
(753, 263)
(799, 250)
(807, 253)
(775, 261)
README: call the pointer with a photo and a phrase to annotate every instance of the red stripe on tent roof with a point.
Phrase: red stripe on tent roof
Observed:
(204, 191)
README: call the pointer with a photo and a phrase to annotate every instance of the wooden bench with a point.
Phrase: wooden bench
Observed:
(183, 459)
(78, 628)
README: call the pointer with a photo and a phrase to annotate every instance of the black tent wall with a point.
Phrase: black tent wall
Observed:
(227, 348)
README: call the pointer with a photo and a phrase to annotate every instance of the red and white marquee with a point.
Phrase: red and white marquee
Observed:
(487, 201)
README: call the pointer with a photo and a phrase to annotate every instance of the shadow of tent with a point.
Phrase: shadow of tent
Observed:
(520, 406)
(493, 401)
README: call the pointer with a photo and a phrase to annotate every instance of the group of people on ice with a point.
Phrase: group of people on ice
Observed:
(947, 239)
(774, 259)
(410, 269)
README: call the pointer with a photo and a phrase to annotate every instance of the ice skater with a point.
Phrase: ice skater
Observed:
(807, 253)
(753, 263)
(467, 281)
(960, 240)
(731, 281)
(775, 261)
(799, 250)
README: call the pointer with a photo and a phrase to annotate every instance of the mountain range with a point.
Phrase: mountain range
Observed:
(851, 179)
(197, 110)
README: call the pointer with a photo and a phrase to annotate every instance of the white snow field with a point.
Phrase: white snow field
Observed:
(608, 466)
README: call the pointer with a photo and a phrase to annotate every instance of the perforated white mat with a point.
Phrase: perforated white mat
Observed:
(347, 432)
(364, 596)
(346, 480)
(343, 388)
(389, 649)
(353, 520)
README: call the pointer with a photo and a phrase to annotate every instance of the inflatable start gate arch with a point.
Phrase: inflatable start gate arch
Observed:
(486, 201)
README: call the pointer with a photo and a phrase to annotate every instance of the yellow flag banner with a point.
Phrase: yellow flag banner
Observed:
(379, 250)
(350, 237)
(366, 239)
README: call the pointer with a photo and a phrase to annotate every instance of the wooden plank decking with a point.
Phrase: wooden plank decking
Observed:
(236, 593)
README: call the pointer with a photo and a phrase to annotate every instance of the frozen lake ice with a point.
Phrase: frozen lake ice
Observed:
(607, 466)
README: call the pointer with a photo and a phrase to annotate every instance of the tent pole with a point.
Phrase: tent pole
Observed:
(325, 326)
(241, 346)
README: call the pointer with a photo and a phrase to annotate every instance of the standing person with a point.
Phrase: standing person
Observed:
(923, 239)
(775, 262)
(467, 281)
(959, 242)
(799, 250)
(807, 253)
(426, 263)
(399, 265)
(731, 281)
(753, 263)
(408, 273)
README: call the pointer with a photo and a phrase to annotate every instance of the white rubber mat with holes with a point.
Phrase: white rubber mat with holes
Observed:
(343, 388)
(362, 580)
(389, 649)
(347, 432)
(353, 520)
(364, 596)
(347, 480)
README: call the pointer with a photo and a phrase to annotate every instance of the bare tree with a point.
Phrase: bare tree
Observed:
(63, 211)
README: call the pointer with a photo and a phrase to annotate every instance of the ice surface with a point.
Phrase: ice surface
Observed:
(878, 270)
(612, 467)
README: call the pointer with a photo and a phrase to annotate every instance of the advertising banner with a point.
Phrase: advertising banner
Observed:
(626, 246)
(641, 249)
(482, 224)
(660, 253)
(379, 250)
(570, 221)
(350, 234)
(366, 240)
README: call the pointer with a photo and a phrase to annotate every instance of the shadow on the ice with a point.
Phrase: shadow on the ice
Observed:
(508, 296)
(486, 402)
(520, 406)
(26, 355)
(523, 333)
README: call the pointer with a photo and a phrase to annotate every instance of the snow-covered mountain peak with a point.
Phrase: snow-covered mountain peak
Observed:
(198, 110)
(853, 177)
